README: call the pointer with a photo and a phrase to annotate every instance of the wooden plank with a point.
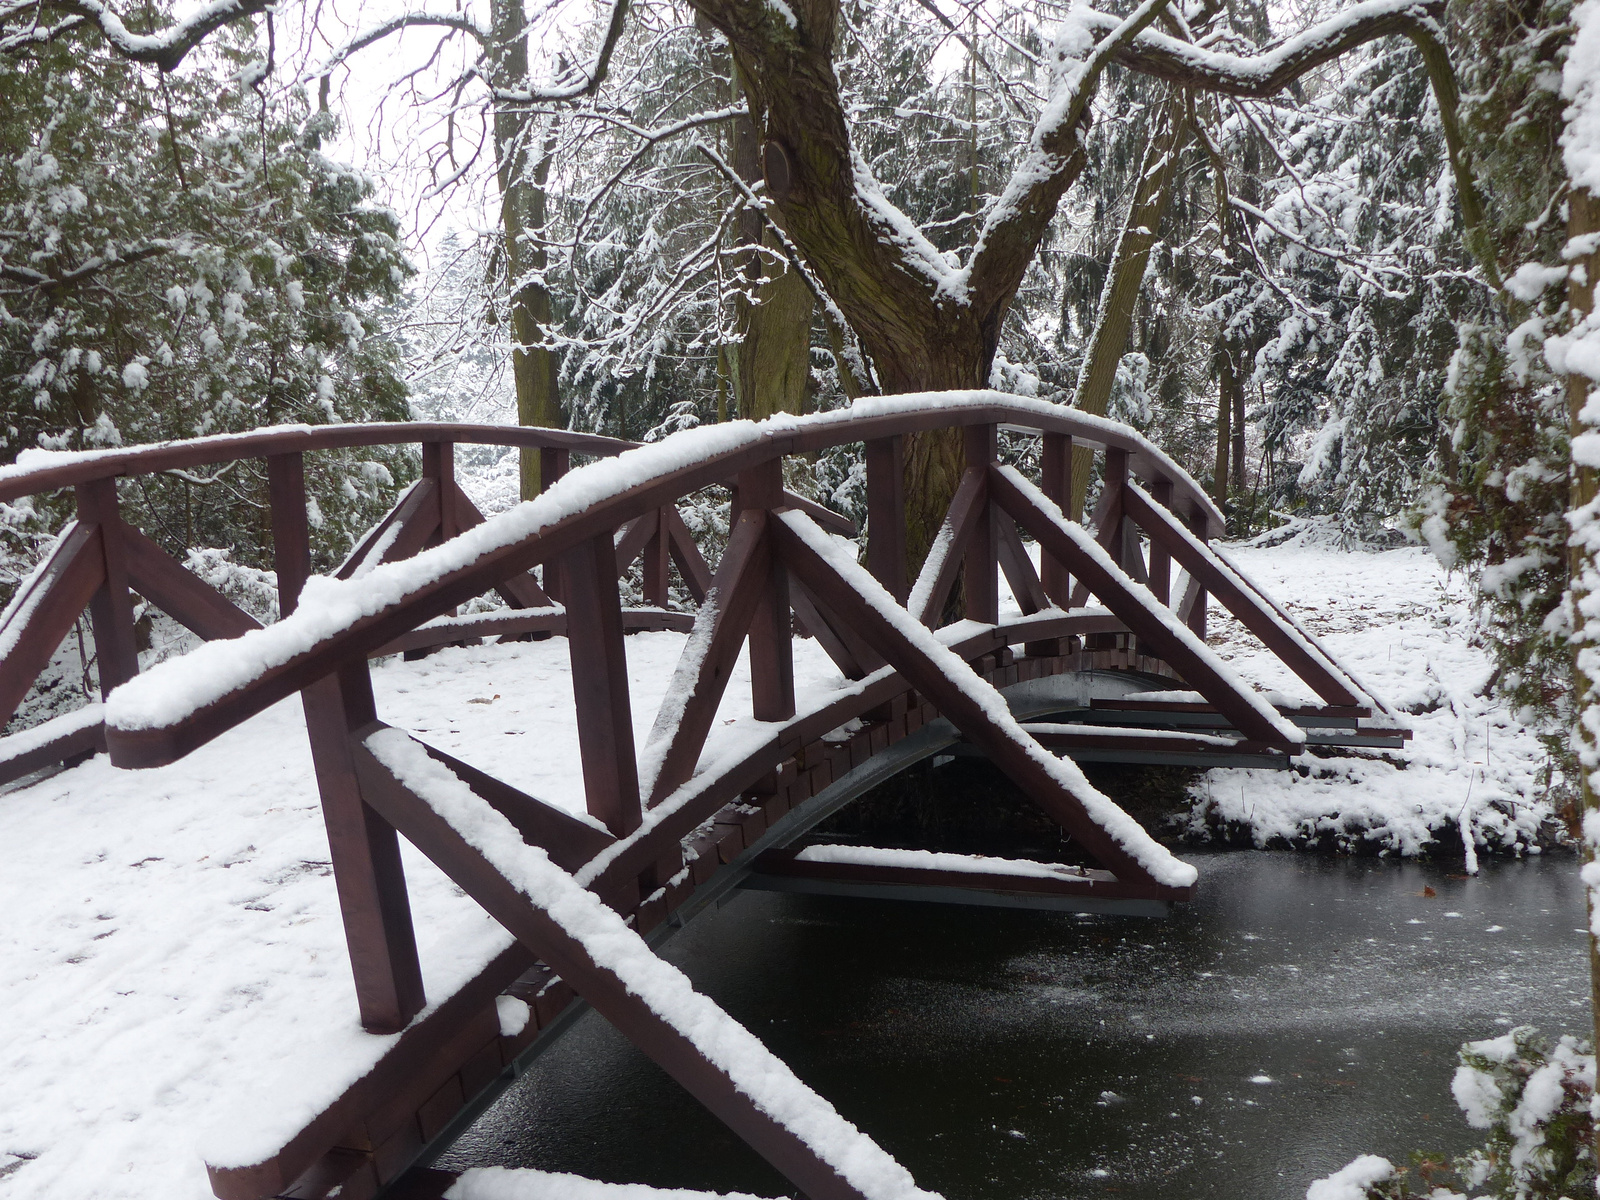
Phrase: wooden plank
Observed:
(853, 656)
(1018, 567)
(519, 591)
(771, 627)
(1100, 884)
(116, 650)
(570, 842)
(600, 684)
(741, 578)
(416, 1052)
(962, 701)
(291, 530)
(439, 465)
(1195, 614)
(657, 566)
(692, 567)
(1055, 481)
(66, 748)
(231, 447)
(886, 514)
(1160, 559)
(46, 608)
(178, 592)
(833, 522)
(968, 508)
(980, 574)
(635, 536)
(1116, 591)
(366, 857)
(607, 993)
(1302, 656)
(404, 530)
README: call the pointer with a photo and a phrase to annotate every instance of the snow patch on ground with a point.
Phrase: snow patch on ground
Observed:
(1406, 630)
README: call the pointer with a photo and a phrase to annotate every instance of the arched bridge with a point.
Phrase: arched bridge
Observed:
(1113, 665)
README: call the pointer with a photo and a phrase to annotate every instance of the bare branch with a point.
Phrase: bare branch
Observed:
(594, 76)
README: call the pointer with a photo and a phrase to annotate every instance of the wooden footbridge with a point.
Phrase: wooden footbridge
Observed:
(1105, 660)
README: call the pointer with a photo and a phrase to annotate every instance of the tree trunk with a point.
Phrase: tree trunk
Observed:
(772, 365)
(1583, 560)
(518, 133)
(1227, 385)
(1118, 298)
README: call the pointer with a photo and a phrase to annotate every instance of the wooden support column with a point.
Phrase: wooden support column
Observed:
(439, 465)
(553, 464)
(366, 855)
(1197, 613)
(291, 531)
(1056, 477)
(981, 569)
(771, 629)
(1160, 557)
(1116, 475)
(886, 514)
(657, 563)
(111, 606)
(600, 684)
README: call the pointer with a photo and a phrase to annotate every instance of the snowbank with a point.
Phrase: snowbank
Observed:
(1407, 629)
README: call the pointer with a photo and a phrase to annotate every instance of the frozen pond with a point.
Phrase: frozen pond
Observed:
(1302, 1011)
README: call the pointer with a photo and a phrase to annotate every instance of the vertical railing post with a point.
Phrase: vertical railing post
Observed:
(886, 514)
(1055, 476)
(553, 464)
(365, 852)
(1160, 560)
(600, 684)
(111, 608)
(1197, 615)
(981, 571)
(771, 632)
(1115, 478)
(291, 531)
(657, 563)
(439, 465)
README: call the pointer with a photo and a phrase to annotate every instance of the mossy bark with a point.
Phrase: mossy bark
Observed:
(523, 144)
(1114, 317)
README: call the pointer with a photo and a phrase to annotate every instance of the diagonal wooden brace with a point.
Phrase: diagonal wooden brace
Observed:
(1297, 649)
(46, 608)
(713, 649)
(605, 990)
(1134, 605)
(965, 698)
(968, 508)
(178, 592)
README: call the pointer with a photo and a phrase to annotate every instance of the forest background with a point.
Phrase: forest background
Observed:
(1325, 293)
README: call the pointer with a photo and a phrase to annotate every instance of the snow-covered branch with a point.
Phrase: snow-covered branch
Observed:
(164, 49)
(589, 80)
(1166, 57)
(86, 270)
(452, 21)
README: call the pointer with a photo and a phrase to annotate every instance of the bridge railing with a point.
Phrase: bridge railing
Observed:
(102, 561)
(557, 561)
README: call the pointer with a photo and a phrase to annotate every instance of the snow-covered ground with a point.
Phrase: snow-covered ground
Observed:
(1406, 630)
(171, 957)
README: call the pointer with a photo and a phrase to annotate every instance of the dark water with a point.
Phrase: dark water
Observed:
(1010, 1055)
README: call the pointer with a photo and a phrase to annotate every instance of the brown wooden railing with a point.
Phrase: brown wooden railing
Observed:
(655, 851)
